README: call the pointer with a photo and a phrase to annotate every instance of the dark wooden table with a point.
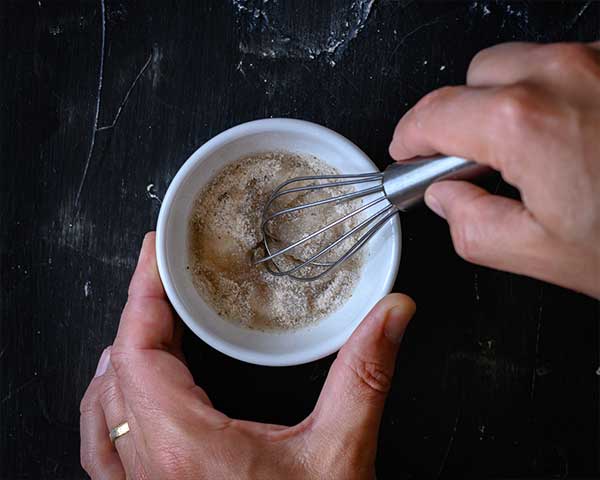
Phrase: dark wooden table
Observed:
(102, 101)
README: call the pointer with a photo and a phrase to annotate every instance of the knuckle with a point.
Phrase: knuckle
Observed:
(487, 61)
(515, 105)
(88, 461)
(568, 57)
(86, 405)
(465, 235)
(119, 359)
(562, 52)
(523, 114)
(89, 457)
(479, 57)
(436, 96)
(464, 244)
(372, 375)
(512, 169)
(518, 113)
(109, 392)
(478, 60)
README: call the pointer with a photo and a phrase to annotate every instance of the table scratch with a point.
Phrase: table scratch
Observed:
(98, 96)
(449, 446)
(412, 32)
(126, 97)
(18, 389)
(577, 16)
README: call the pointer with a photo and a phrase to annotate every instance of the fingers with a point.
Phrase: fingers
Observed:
(116, 412)
(482, 124)
(147, 321)
(510, 98)
(98, 457)
(155, 381)
(502, 64)
(145, 282)
(451, 120)
(426, 128)
(559, 67)
(351, 403)
(146, 356)
(500, 233)
(487, 229)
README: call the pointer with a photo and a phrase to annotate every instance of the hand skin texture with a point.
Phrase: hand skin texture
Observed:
(176, 433)
(532, 112)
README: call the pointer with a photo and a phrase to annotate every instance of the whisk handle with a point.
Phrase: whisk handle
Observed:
(404, 183)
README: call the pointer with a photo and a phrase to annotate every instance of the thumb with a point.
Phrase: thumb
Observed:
(351, 402)
(488, 229)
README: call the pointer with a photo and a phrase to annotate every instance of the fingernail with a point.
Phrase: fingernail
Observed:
(434, 204)
(395, 324)
(103, 363)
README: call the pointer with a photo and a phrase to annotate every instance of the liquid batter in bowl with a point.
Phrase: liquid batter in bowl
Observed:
(224, 235)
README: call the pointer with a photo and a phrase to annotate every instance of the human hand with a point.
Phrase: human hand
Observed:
(531, 112)
(175, 433)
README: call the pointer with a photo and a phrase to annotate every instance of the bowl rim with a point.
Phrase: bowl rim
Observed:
(225, 137)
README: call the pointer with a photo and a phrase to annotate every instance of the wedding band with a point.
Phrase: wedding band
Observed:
(119, 431)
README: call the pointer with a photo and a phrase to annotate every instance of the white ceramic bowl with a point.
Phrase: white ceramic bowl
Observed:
(290, 347)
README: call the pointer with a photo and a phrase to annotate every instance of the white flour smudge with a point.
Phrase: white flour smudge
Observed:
(265, 36)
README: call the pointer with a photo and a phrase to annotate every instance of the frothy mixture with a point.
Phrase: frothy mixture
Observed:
(224, 235)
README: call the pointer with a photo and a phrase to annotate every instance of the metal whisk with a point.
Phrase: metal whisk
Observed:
(398, 188)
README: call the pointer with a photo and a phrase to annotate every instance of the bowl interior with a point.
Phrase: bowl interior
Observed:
(272, 347)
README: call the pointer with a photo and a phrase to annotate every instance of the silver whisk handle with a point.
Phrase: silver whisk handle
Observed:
(404, 183)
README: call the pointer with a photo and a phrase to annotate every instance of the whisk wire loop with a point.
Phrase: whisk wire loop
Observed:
(348, 253)
(373, 222)
(316, 232)
(337, 200)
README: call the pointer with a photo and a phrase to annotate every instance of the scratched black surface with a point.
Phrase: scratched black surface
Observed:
(497, 374)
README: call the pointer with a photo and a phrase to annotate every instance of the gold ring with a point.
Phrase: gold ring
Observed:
(119, 431)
